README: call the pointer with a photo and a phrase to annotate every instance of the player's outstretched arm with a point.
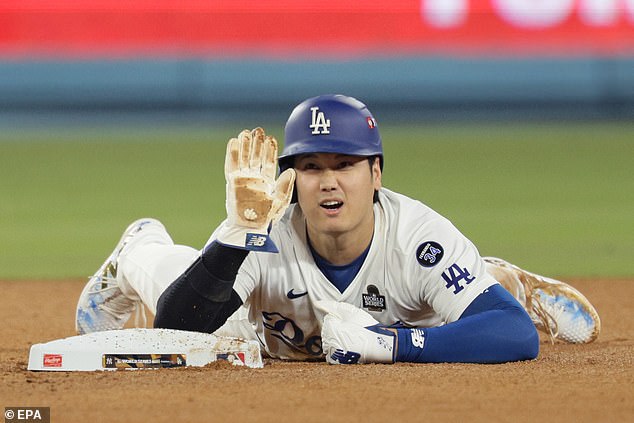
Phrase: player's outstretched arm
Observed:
(254, 199)
(202, 298)
(493, 329)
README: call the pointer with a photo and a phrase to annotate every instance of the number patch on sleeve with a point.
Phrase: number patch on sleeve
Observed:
(454, 275)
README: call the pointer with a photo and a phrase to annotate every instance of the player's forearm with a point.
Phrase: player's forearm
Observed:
(491, 336)
(478, 339)
(202, 298)
(493, 329)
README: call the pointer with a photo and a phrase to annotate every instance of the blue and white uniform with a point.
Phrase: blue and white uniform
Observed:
(420, 271)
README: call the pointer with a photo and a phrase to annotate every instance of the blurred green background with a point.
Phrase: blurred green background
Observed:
(555, 198)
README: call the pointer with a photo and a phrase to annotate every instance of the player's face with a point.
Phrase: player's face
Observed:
(335, 192)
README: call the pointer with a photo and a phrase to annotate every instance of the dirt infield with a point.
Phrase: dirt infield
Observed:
(587, 383)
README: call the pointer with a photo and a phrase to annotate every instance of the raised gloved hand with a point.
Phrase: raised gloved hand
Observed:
(254, 199)
(349, 335)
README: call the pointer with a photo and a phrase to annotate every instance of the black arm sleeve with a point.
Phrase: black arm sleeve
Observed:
(202, 298)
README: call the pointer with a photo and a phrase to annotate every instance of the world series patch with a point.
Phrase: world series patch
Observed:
(429, 253)
(373, 300)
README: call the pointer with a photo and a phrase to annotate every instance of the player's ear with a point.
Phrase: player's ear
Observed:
(376, 173)
(375, 169)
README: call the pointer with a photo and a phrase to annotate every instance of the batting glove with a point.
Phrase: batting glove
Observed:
(349, 335)
(254, 199)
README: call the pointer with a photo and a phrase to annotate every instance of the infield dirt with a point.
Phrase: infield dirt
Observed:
(566, 383)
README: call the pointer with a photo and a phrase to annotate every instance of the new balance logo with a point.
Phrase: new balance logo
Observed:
(418, 338)
(254, 240)
(348, 357)
(319, 125)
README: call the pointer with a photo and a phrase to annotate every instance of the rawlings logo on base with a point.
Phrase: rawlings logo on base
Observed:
(52, 360)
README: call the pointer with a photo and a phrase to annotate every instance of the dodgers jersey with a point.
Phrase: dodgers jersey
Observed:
(420, 271)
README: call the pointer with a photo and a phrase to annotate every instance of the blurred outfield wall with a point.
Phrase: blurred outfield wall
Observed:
(408, 59)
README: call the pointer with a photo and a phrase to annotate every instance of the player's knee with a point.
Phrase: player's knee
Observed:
(532, 345)
(529, 339)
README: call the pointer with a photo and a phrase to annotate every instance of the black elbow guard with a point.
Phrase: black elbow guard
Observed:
(183, 307)
(202, 298)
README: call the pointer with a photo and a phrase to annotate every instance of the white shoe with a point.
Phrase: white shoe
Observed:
(554, 306)
(102, 304)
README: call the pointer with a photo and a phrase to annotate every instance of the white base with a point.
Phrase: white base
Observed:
(142, 348)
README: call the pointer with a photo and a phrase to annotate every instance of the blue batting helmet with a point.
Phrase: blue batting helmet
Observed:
(331, 123)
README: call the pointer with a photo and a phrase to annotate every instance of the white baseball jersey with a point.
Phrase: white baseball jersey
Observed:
(420, 271)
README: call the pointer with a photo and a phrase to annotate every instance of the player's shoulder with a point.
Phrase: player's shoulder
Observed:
(402, 202)
(408, 213)
(410, 221)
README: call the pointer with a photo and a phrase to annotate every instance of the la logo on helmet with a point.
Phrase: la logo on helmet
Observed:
(319, 125)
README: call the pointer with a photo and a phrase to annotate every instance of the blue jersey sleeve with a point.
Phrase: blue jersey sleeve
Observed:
(493, 329)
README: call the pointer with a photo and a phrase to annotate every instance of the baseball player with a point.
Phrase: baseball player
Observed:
(324, 262)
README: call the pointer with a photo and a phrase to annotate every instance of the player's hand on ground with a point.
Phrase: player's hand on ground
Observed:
(349, 335)
(254, 199)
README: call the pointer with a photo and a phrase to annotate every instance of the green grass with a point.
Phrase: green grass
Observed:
(557, 199)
